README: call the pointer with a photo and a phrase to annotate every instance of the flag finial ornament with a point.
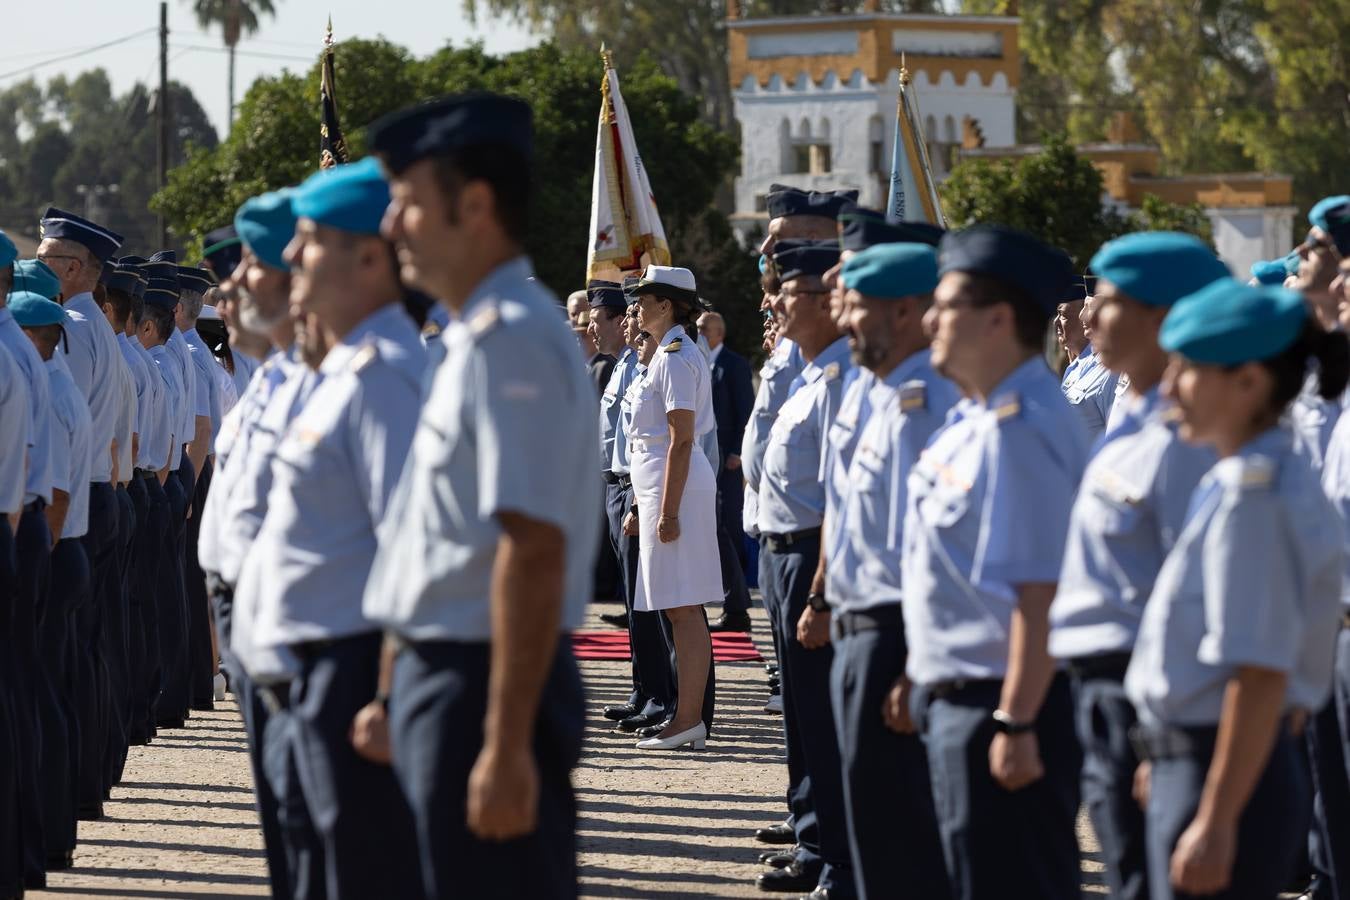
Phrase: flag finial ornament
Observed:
(332, 143)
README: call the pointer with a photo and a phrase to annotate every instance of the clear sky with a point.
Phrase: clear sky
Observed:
(291, 40)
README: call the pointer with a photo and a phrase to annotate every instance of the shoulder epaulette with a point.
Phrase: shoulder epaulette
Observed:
(831, 372)
(364, 357)
(1008, 408)
(913, 396)
(1259, 472)
(673, 346)
(484, 321)
(431, 329)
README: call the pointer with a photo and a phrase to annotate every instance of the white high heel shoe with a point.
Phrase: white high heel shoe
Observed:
(696, 738)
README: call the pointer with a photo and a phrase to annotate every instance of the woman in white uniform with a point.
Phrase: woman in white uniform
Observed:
(675, 491)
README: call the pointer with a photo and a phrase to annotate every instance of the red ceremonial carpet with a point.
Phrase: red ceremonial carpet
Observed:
(727, 646)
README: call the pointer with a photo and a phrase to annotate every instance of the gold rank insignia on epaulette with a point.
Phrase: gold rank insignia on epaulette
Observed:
(674, 346)
(831, 372)
(1259, 472)
(364, 357)
(913, 396)
(1008, 408)
(431, 329)
(1171, 415)
(484, 322)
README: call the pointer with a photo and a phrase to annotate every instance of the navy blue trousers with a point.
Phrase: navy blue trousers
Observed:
(1272, 828)
(11, 828)
(801, 806)
(356, 806)
(436, 710)
(303, 862)
(116, 637)
(149, 585)
(731, 541)
(69, 590)
(201, 659)
(892, 826)
(174, 701)
(1329, 749)
(94, 698)
(653, 679)
(1000, 843)
(807, 710)
(39, 721)
(1103, 719)
(138, 645)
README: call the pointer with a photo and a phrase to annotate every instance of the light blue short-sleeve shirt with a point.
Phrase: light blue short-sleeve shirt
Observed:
(791, 486)
(185, 398)
(96, 365)
(509, 427)
(208, 388)
(1336, 483)
(157, 446)
(71, 426)
(332, 476)
(907, 407)
(775, 378)
(612, 404)
(1090, 388)
(40, 465)
(1254, 580)
(989, 503)
(1128, 516)
(15, 420)
(1312, 420)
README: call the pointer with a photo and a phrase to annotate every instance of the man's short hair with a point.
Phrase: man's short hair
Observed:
(1030, 319)
(121, 304)
(162, 319)
(191, 302)
(502, 167)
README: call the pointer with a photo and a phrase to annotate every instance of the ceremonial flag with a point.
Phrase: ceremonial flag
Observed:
(626, 232)
(913, 195)
(332, 145)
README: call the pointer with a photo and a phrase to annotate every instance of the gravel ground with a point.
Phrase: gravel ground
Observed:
(655, 826)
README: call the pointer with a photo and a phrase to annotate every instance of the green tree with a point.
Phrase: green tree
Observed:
(272, 146)
(236, 18)
(1055, 195)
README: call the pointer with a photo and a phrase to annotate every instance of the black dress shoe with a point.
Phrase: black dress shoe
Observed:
(619, 713)
(791, 879)
(618, 620)
(633, 723)
(732, 622)
(782, 833)
(771, 668)
(778, 859)
(653, 730)
(819, 893)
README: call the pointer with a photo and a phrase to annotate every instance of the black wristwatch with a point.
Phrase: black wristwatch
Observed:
(1006, 724)
(816, 601)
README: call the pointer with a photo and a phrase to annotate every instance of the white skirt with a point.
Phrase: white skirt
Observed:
(688, 570)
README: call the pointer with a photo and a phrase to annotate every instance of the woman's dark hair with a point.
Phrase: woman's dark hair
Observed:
(1326, 352)
(686, 315)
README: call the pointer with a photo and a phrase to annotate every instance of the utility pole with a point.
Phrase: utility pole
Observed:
(162, 111)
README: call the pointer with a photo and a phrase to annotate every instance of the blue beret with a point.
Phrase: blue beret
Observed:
(162, 293)
(790, 201)
(36, 276)
(222, 250)
(1269, 271)
(1158, 268)
(1227, 323)
(606, 293)
(1332, 215)
(32, 310)
(266, 224)
(1291, 262)
(892, 270)
(125, 278)
(100, 241)
(763, 264)
(1042, 272)
(349, 198)
(8, 252)
(794, 258)
(442, 126)
(191, 278)
(860, 228)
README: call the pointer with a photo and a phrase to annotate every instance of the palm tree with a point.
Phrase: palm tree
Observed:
(235, 18)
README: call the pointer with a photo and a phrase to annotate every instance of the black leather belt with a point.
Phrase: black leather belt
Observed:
(622, 479)
(880, 618)
(778, 543)
(37, 505)
(1171, 742)
(610, 477)
(1106, 665)
(145, 474)
(945, 690)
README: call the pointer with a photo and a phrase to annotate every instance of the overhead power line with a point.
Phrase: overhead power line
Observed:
(77, 53)
(253, 53)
